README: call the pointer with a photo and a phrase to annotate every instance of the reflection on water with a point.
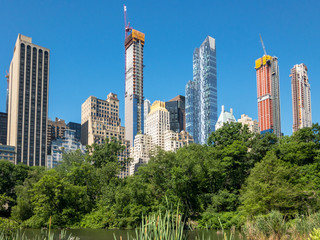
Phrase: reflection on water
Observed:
(101, 234)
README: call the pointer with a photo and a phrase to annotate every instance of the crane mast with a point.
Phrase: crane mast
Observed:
(264, 49)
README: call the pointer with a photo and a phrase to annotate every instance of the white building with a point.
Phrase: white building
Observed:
(157, 122)
(63, 145)
(225, 117)
(173, 141)
(253, 125)
(157, 134)
(140, 152)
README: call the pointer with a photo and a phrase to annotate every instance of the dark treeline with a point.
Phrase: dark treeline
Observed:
(236, 176)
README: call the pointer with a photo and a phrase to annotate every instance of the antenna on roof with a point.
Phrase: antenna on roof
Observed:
(264, 49)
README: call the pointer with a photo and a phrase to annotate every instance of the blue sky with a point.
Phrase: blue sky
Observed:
(86, 39)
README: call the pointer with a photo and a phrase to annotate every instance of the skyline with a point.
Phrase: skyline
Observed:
(76, 77)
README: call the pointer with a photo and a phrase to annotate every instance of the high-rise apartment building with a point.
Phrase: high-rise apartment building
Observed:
(28, 102)
(176, 108)
(100, 120)
(301, 97)
(201, 93)
(157, 122)
(157, 134)
(253, 125)
(268, 92)
(55, 130)
(65, 144)
(3, 128)
(140, 153)
(134, 106)
(225, 117)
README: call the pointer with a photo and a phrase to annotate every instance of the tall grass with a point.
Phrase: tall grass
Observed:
(274, 226)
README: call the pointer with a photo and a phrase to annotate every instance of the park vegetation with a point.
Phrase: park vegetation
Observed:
(238, 178)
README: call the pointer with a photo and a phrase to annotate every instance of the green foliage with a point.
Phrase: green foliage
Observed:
(236, 176)
(315, 234)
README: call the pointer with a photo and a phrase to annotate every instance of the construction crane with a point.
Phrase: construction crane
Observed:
(264, 49)
(126, 25)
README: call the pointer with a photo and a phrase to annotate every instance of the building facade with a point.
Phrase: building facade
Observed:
(157, 135)
(253, 125)
(7, 153)
(201, 93)
(157, 122)
(140, 153)
(3, 128)
(77, 128)
(59, 146)
(173, 140)
(28, 102)
(55, 130)
(225, 117)
(176, 108)
(134, 99)
(267, 71)
(301, 97)
(100, 120)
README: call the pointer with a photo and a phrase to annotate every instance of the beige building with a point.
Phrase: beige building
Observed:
(100, 120)
(140, 153)
(253, 125)
(157, 122)
(28, 102)
(173, 141)
(157, 134)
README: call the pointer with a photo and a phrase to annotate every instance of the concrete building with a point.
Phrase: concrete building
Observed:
(134, 44)
(7, 153)
(140, 153)
(56, 130)
(77, 128)
(201, 93)
(253, 125)
(173, 140)
(301, 97)
(3, 128)
(176, 108)
(100, 120)
(157, 122)
(268, 92)
(225, 117)
(67, 143)
(28, 102)
(158, 134)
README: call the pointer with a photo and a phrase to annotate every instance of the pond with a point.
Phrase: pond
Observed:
(101, 234)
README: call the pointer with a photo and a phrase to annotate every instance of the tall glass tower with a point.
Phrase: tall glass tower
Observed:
(201, 93)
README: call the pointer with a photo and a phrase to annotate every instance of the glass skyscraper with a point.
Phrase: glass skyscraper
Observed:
(201, 93)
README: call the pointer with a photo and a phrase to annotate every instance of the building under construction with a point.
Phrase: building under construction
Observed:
(267, 71)
(301, 97)
(134, 43)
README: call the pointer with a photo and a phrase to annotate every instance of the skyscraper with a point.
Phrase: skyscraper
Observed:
(176, 108)
(268, 92)
(225, 117)
(100, 120)
(134, 116)
(301, 97)
(28, 102)
(201, 93)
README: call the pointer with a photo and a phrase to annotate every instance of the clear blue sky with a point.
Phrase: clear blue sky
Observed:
(86, 39)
